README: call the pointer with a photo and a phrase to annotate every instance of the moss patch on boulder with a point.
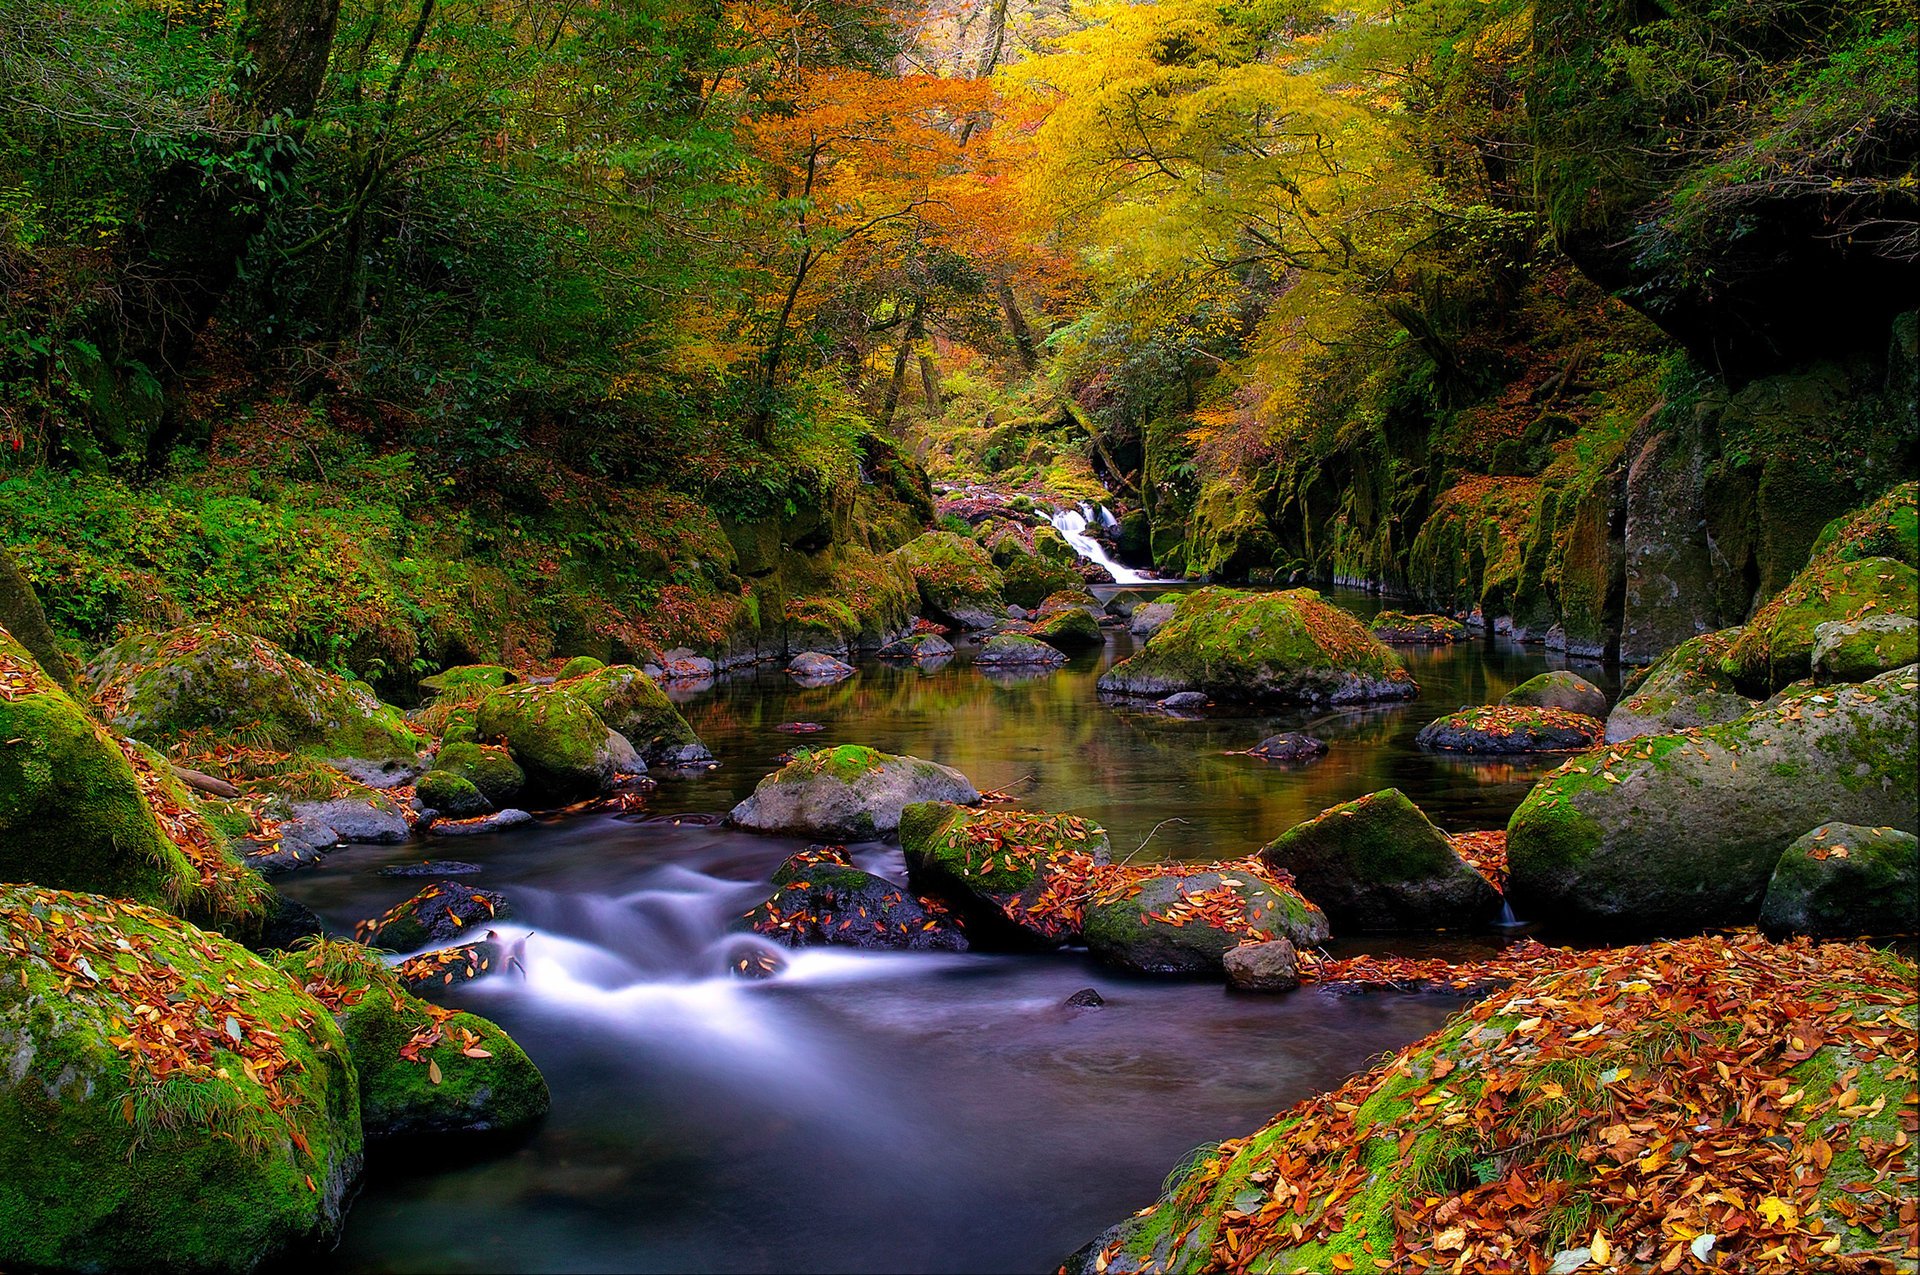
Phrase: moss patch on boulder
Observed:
(958, 582)
(1776, 649)
(1558, 689)
(554, 733)
(488, 767)
(172, 1101)
(1016, 877)
(452, 795)
(1688, 687)
(1028, 579)
(630, 702)
(1017, 650)
(1292, 646)
(1070, 629)
(849, 792)
(1379, 863)
(1842, 880)
(1398, 628)
(1172, 918)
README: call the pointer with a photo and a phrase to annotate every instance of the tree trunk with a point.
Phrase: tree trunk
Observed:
(907, 341)
(930, 386)
(1017, 324)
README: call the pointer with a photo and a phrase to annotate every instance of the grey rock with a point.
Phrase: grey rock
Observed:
(1147, 618)
(1558, 689)
(1291, 746)
(825, 796)
(494, 822)
(1844, 881)
(1185, 700)
(375, 822)
(1273, 966)
(815, 668)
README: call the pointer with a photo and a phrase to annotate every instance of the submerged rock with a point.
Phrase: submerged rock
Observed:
(171, 1101)
(423, 1070)
(1174, 918)
(1511, 730)
(1292, 646)
(433, 868)
(848, 793)
(1273, 966)
(1185, 700)
(1085, 998)
(1379, 863)
(1397, 628)
(1842, 880)
(1290, 746)
(1683, 831)
(1013, 650)
(823, 898)
(1558, 689)
(1686, 688)
(441, 913)
(477, 824)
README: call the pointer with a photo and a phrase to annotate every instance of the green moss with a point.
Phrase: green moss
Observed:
(952, 844)
(450, 794)
(1840, 880)
(580, 666)
(1069, 629)
(104, 1167)
(1887, 528)
(629, 701)
(489, 768)
(554, 734)
(955, 576)
(1776, 648)
(468, 680)
(845, 762)
(1134, 930)
(1028, 579)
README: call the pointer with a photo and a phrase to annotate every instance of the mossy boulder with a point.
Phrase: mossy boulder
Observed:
(1687, 687)
(1398, 628)
(1292, 646)
(1776, 649)
(1842, 880)
(468, 679)
(171, 1101)
(1017, 650)
(1028, 579)
(1855, 650)
(631, 703)
(958, 583)
(84, 809)
(22, 617)
(850, 792)
(436, 916)
(488, 767)
(1048, 543)
(1379, 863)
(580, 666)
(1070, 629)
(1682, 832)
(821, 898)
(1501, 1103)
(1558, 689)
(1887, 528)
(1185, 918)
(1149, 618)
(1017, 878)
(423, 1070)
(920, 647)
(554, 733)
(452, 795)
(1503, 730)
(203, 678)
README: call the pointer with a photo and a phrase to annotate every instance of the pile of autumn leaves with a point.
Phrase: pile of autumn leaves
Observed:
(1714, 1103)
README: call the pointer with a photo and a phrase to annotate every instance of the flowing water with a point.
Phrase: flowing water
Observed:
(873, 1112)
(1072, 526)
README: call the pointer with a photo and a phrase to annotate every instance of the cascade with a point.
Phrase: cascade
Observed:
(1072, 526)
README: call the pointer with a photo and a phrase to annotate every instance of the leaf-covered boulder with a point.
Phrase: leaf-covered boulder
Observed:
(631, 703)
(1558, 689)
(437, 915)
(1682, 831)
(1292, 646)
(423, 1070)
(1379, 863)
(1398, 628)
(161, 687)
(848, 793)
(1018, 651)
(169, 1101)
(1842, 880)
(821, 898)
(1648, 1108)
(82, 808)
(1500, 729)
(1016, 877)
(559, 738)
(1776, 648)
(1175, 918)
(1687, 687)
(958, 583)
(468, 680)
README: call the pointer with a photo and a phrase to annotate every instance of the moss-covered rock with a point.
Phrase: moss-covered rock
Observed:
(1018, 878)
(1291, 646)
(1379, 863)
(1070, 629)
(438, 915)
(554, 733)
(1184, 918)
(84, 809)
(821, 898)
(1558, 689)
(580, 666)
(958, 583)
(488, 767)
(1568, 1098)
(920, 648)
(1842, 880)
(21, 617)
(452, 795)
(1500, 730)
(423, 1070)
(1398, 628)
(1681, 832)
(629, 701)
(1149, 618)
(1887, 528)
(171, 1102)
(465, 679)
(848, 793)
(1855, 650)
(1028, 579)
(202, 678)
(1686, 688)
(1017, 650)
(1776, 648)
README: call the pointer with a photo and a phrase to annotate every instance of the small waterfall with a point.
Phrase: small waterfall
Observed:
(1107, 520)
(1072, 525)
(1508, 921)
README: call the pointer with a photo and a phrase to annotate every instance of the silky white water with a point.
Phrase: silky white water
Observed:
(1072, 525)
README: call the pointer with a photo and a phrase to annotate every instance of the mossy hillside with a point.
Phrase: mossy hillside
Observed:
(1776, 649)
(83, 809)
(202, 678)
(488, 767)
(1682, 831)
(1287, 646)
(422, 1069)
(956, 577)
(1594, 1127)
(629, 701)
(1840, 880)
(174, 1103)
